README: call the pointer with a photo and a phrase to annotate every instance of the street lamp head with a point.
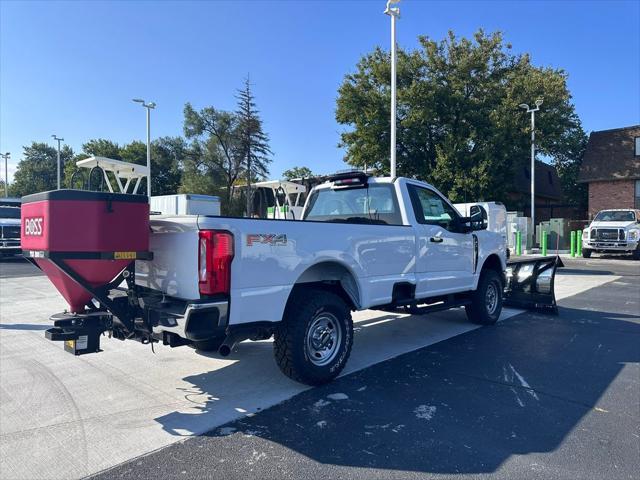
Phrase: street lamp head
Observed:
(524, 105)
(151, 105)
(138, 100)
(390, 10)
(539, 102)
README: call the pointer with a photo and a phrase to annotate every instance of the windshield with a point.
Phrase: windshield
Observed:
(615, 216)
(10, 212)
(374, 204)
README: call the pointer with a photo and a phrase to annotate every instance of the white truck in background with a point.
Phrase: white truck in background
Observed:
(363, 243)
(9, 227)
(613, 231)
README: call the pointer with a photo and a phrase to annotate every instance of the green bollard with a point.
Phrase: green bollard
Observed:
(518, 243)
(579, 243)
(573, 243)
(544, 243)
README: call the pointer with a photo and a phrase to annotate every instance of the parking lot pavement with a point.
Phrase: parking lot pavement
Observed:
(535, 397)
(12, 267)
(82, 415)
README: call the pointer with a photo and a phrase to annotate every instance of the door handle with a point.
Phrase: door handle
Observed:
(436, 239)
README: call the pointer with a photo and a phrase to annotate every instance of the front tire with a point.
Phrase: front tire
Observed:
(486, 300)
(586, 253)
(636, 253)
(313, 343)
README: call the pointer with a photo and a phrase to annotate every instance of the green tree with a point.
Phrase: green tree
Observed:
(101, 147)
(217, 133)
(297, 172)
(459, 124)
(168, 156)
(253, 143)
(37, 171)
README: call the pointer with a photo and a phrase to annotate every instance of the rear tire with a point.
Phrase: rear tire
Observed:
(586, 253)
(313, 342)
(486, 300)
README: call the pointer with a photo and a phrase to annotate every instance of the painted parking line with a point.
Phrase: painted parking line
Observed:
(85, 414)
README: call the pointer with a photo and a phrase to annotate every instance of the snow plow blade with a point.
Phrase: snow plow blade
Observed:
(530, 283)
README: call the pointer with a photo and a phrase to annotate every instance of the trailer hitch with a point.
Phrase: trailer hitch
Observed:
(80, 332)
(530, 283)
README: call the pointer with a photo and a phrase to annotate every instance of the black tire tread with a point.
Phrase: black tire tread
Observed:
(292, 329)
(476, 312)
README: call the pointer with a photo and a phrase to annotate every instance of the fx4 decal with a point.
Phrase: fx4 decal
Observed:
(266, 239)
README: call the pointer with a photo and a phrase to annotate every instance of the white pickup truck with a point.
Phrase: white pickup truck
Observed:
(613, 231)
(363, 243)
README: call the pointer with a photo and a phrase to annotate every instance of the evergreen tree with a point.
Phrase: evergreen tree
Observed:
(253, 143)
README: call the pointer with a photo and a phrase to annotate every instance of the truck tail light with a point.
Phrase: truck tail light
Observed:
(215, 253)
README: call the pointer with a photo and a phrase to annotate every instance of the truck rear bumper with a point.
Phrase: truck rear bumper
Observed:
(195, 321)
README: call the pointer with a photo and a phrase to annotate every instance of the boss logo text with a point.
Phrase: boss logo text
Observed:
(33, 226)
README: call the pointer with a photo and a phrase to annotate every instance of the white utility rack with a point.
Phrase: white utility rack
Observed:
(120, 170)
(291, 205)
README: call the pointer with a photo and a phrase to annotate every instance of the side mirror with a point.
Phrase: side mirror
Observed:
(478, 217)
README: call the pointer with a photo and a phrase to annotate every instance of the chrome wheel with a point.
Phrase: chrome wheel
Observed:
(323, 339)
(491, 298)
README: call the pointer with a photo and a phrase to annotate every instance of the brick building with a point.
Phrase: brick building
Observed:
(611, 167)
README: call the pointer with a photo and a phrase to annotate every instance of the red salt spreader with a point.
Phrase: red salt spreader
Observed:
(87, 242)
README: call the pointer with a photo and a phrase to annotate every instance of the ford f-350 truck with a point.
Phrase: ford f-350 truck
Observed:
(365, 243)
(211, 281)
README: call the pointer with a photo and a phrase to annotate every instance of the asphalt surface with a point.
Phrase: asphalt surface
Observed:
(17, 267)
(536, 396)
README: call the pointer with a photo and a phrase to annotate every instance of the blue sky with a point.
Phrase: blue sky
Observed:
(71, 68)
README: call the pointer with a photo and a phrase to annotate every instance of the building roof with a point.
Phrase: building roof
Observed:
(547, 181)
(610, 155)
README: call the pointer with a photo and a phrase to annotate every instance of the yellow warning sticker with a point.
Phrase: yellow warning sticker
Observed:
(124, 255)
(70, 343)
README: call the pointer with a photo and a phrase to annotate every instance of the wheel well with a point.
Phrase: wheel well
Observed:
(493, 263)
(333, 277)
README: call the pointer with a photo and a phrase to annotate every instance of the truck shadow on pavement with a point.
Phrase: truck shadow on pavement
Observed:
(465, 405)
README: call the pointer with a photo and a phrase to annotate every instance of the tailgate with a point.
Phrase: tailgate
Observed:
(174, 268)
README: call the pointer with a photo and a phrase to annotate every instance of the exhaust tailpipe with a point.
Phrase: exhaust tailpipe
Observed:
(225, 349)
(232, 339)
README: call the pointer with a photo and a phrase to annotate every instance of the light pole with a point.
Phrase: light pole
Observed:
(148, 106)
(58, 140)
(393, 12)
(533, 111)
(6, 173)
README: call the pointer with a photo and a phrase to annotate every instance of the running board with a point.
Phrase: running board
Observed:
(530, 283)
(415, 309)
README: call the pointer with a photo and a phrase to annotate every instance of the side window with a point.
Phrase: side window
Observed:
(431, 209)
